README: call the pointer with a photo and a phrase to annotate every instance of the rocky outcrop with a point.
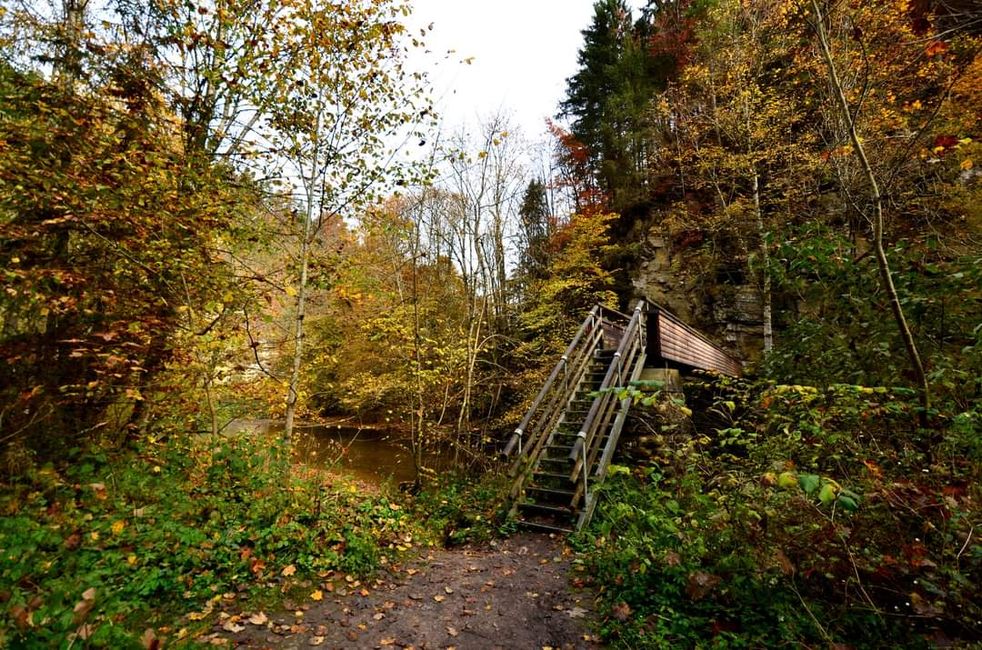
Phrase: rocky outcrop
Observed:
(705, 287)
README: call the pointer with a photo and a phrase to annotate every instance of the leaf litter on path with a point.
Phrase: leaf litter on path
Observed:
(528, 604)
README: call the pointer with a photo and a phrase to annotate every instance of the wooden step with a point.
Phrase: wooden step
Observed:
(548, 459)
(552, 492)
(537, 474)
(544, 509)
(543, 527)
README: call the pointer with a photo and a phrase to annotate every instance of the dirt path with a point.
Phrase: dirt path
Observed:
(511, 594)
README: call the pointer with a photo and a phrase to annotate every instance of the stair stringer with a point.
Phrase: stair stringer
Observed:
(590, 501)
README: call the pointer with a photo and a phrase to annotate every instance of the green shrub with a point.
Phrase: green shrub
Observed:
(792, 515)
(162, 530)
(456, 509)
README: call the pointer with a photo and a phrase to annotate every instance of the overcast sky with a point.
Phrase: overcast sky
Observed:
(523, 51)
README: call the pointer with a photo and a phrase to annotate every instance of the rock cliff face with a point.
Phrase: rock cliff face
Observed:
(706, 287)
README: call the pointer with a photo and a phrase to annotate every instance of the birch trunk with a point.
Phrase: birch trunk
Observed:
(883, 264)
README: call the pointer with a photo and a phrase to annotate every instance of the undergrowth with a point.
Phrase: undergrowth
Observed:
(457, 508)
(792, 515)
(106, 545)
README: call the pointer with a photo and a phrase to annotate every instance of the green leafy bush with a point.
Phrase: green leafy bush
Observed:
(792, 515)
(105, 546)
(456, 509)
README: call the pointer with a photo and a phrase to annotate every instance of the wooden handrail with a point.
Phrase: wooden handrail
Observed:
(593, 318)
(587, 433)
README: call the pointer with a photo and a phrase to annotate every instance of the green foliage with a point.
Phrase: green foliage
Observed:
(841, 335)
(109, 246)
(607, 99)
(163, 530)
(574, 281)
(460, 509)
(791, 515)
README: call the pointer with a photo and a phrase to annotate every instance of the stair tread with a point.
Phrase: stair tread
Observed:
(543, 507)
(544, 527)
(535, 488)
(551, 475)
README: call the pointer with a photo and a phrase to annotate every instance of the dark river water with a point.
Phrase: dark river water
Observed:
(369, 454)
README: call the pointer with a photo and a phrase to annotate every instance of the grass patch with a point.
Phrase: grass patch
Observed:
(106, 545)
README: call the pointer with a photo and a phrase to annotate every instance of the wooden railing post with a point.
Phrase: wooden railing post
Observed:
(586, 473)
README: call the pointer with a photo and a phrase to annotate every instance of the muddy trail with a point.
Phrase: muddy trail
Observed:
(513, 593)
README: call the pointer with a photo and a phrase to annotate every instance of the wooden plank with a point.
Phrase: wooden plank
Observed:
(683, 344)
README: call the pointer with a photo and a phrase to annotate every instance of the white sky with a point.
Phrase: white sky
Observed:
(523, 51)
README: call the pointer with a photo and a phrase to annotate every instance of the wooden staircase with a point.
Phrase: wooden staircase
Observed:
(561, 450)
(568, 437)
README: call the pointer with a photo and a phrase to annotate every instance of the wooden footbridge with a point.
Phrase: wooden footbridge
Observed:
(564, 445)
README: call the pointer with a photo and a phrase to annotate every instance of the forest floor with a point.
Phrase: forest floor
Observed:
(513, 593)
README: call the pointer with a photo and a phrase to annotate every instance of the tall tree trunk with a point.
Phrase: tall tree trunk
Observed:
(298, 332)
(301, 305)
(883, 264)
(765, 274)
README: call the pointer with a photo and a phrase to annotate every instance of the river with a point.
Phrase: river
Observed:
(372, 454)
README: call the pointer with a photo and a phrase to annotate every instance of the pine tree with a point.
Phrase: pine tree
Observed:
(607, 97)
(535, 230)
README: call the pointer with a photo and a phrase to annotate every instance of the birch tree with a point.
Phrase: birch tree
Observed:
(345, 97)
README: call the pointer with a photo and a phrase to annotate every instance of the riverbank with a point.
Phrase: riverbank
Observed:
(115, 547)
(110, 546)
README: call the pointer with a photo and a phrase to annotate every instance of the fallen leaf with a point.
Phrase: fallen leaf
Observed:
(391, 641)
(232, 626)
(317, 594)
(700, 584)
(785, 564)
(439, 598)
(315, 640)
(84, 606)
(364, 592)
(378, 616)
(22, 617)
(576, 612)
(621, 611)
(452, 631)
(259, 618)
(149, 639)
(922, 606)
(288, 571)
(448, 590)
